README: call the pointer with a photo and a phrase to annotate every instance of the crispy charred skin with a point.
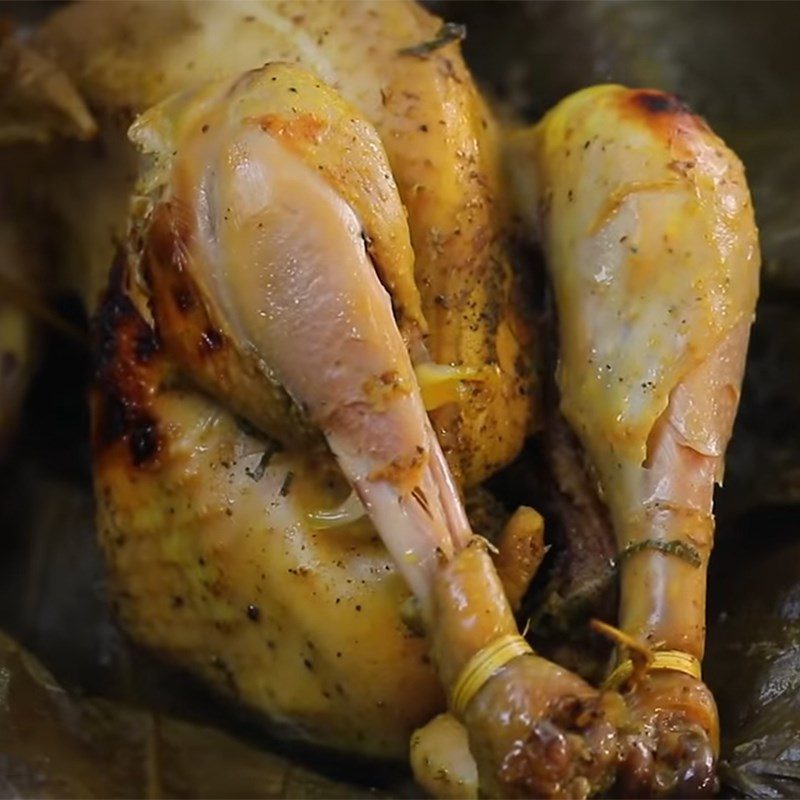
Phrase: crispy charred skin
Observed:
(129, 366)
(648, 231)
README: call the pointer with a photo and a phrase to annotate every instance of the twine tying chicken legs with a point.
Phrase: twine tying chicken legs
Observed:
(482, 666)
(647, 659)
(675, 660)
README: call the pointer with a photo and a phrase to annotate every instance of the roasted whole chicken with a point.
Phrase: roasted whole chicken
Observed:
(295, 226)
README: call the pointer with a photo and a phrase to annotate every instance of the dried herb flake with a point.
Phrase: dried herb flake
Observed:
(449, 32)
(258, 473)
(287, 483)
(673, 547)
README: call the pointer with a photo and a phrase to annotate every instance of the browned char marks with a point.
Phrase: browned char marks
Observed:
(655, 102)
(128, 366)
(186, 323)
(666, 115)
(295, 132)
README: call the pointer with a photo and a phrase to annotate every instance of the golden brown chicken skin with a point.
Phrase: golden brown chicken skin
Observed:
(117, 60)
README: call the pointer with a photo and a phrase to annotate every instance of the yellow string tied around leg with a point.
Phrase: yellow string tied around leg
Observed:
(646, 659)
(482, 666)
(675, 660)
